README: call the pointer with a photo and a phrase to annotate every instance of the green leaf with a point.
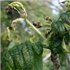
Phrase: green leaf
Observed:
(38, 47)
(55, 44)
(38, 61)
(28, 55)
(65, 18)
(64, 46)
(66, 37)
(9, 60)
(6, 64)
(63, 62)
(58, 27)
(23, 57)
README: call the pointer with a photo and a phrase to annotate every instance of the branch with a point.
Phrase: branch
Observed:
(68, 60)
(55, 60)
(45, 59)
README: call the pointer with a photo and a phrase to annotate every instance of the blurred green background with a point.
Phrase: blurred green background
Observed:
(36, 11)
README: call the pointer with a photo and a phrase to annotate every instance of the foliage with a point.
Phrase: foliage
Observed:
(34, 13)
(24, 56)
(23, 31)
(59, 37)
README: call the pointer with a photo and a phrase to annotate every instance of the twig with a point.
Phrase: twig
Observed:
(35, 29)
(55, 60)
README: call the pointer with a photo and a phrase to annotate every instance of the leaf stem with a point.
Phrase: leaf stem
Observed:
(35, 29)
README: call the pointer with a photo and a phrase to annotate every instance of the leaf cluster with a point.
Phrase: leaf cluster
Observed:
(24, 56)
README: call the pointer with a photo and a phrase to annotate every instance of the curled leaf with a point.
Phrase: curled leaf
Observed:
(19, 8)
(16, 4)
(14, 22)
(8, 32)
